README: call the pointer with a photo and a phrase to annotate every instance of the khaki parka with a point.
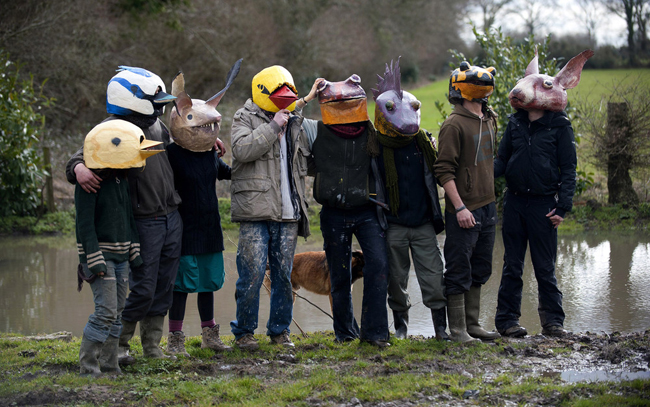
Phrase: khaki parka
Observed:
(255, 188)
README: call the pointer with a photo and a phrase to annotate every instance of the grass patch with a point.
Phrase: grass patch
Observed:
(317, 372)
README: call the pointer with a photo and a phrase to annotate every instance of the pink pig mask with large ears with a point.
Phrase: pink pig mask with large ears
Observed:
(537, 91)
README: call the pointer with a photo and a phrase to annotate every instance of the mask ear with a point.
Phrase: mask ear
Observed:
(533, 66)
(569, 76)
(178, 84)
(182, 102)
(232, 74)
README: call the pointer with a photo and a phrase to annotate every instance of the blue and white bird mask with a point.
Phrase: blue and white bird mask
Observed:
(136, 90)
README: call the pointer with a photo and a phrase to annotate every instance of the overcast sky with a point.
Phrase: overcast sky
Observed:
(563, 20)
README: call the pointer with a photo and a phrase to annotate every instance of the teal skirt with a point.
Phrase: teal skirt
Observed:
(200, 273)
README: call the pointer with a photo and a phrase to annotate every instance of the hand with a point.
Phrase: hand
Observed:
(555, 219)
(101, 274)
(314, 90)
(88, 180)
(281, 117)
(220, 147)
(466, 219)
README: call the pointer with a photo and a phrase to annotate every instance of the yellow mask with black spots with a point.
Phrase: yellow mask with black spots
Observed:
(273, 89)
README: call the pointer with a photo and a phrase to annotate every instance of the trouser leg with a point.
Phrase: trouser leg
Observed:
(252, 253)
(282, 247)
(515, 239)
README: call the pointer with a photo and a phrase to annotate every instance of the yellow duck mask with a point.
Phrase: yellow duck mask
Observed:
(273, 89)
(117, 144)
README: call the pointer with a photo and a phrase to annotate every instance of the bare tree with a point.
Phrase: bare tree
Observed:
(636, 14)
(490, 10)
(591, 16)
(619, 129)
(534, 14)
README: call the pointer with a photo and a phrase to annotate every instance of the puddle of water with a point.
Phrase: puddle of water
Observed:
(574, 376)
(605, 279)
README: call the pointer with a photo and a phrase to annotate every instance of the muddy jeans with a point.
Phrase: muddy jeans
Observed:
(257, 242)
(109, 293)
(338, 226)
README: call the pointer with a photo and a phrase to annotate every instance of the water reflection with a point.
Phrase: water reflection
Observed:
(605, 278)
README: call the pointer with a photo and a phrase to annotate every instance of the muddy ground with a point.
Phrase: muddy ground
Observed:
(576, 358)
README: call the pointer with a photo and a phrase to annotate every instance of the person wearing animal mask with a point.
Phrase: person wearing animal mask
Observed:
(537, 155)
(138, 96)
(464, 169)
(107, 238)
(269, 165)
(406, 164)
(194, 127)
(349, 187)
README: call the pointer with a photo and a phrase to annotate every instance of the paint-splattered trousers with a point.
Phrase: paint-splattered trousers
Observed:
(109, 294)
(525, 223)
(259, 241)
(338, 226)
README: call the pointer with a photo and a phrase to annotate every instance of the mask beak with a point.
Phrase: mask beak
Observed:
(163, 98)
(283, 97)
(145, 145)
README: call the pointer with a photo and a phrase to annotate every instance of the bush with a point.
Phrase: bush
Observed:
(20, 126)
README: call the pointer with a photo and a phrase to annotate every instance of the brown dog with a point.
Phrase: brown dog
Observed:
(311, 272)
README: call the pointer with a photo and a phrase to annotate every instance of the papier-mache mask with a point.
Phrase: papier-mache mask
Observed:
(543, 92)
(343, 102)
(472, 83)
(194, 122)
(397, 112)
(117, 144)
(136, 90)
(273, 89)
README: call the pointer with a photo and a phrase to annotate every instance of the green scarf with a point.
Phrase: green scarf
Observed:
(399, 141)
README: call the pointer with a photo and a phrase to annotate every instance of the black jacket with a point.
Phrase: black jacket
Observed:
(195, 176)
(539, 158)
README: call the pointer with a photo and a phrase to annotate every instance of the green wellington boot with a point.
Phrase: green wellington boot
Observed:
(472, 311)
(108, 359)
(89, 357)
(457, 324)
(151, 332)
(123, 356)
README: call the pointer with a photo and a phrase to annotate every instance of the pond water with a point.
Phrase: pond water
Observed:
(605, 278)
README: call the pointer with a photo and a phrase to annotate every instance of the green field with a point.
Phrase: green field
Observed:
(593, 85)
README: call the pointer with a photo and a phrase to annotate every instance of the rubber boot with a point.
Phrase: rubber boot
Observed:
(123, 356)
(472, 311)
(151, 332)
(401, 319)
(439, 317)
(108, 360)
(89, 357)
(456, 313)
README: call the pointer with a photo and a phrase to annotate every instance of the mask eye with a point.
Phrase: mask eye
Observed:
(141, 139)
(548, 84)
(189, 117)
(390, 105)
(116, 141)
(416, 105)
